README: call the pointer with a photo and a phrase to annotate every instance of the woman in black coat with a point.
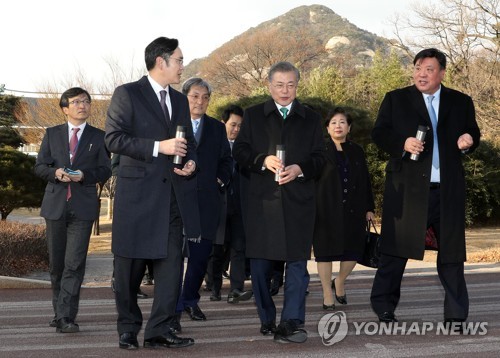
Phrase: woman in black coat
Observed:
(344, 205)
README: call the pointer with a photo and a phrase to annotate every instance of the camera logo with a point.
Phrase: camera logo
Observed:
(332, 328)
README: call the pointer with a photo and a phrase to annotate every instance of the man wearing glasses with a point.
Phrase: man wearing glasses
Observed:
(215, 166)
(280, 212)
(72, 159)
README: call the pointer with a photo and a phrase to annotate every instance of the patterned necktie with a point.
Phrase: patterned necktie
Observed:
(195, 126)
(163, 103)
(284, 111)
(73, 144)
(432, 115)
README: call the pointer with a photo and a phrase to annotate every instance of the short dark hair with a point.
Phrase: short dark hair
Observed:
(231, 109)
(283, 66)
(431, 53)
(338, 110)
(70, 93)
(195, 81)
(160, 47)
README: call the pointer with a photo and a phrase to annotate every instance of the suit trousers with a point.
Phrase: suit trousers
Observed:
(195, 272)
(235, 243)
(386, 290)
(68, 242)
(167, 272)
(296, 283)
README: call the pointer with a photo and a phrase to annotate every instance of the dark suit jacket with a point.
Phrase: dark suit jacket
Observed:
(279, 220)
(214, 161)
(91, 158)
(144, 186)
(342, 226)
(404, 218)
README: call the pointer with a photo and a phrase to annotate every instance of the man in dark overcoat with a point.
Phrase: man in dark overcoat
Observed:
(280, 214)
(428, 191)
(154, 202)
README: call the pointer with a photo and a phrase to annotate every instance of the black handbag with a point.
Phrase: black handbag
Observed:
(371, 254)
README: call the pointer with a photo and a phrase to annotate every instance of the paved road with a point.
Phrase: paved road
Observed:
(232, 330)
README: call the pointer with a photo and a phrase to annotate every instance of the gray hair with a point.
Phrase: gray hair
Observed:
(283, 66)
(195, 81)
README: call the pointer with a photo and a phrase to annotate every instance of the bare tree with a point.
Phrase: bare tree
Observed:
(240, 67)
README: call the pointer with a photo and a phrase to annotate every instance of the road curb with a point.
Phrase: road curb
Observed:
(18, 282)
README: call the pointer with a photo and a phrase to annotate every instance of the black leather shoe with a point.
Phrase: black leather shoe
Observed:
(141, 295)
(195, 313)
(66, 325)
(454, 325)
(53, 323)
(341, 299)
(275, 288)
(168, 340)
(175, 325)
(329, 307)
(128, 340)
(288, 332)
(387, 317)
(268, 328)
(236, 296)
(215, 296)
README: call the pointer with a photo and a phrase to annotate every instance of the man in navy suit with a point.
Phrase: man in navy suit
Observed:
(426, 192)
(214, 173)
(154, 201)
(70, 204)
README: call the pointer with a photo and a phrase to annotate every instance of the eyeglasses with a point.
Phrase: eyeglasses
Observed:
(197, 97)
(280, 86)
(77, 102)
(180, 61)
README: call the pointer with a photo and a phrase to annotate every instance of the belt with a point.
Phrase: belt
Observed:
(434, 185)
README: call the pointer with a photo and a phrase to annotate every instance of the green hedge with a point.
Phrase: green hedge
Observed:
(23, 248)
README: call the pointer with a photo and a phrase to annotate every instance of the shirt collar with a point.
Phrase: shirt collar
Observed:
(156, 86)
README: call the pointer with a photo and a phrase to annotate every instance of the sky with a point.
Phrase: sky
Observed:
(46, 42)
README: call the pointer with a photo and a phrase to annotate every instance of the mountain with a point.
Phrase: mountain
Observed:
(340, 40)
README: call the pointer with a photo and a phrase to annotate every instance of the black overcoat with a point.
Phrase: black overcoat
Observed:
(404, 217)
(145, 183)
(341, 226)
(279, 220)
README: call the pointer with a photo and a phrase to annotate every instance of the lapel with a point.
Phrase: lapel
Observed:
(417, 100)
(330, 152)
(63, 137)
(83, 144)
(152, 100)
(444, 106)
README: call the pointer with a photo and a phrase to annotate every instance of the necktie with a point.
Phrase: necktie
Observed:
(163, 103)
(284, 111)
(73, 144)
(195, 126)
(432, 115)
